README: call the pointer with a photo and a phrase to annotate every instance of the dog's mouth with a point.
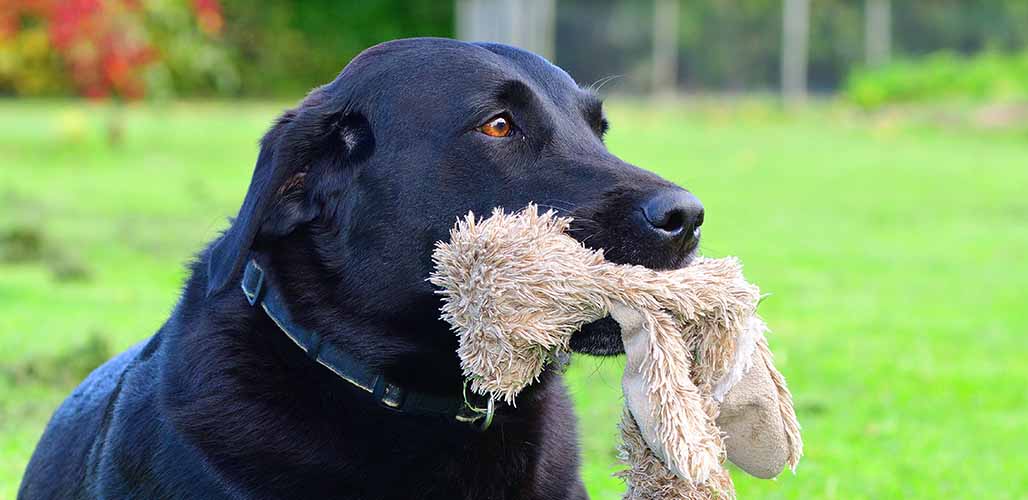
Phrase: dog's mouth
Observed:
(603, 337)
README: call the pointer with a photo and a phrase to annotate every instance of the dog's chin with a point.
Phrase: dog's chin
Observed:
(603, 337)
(599, 338)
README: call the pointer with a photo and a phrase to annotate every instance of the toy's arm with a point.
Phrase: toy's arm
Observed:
(756, 414)
(667, 407)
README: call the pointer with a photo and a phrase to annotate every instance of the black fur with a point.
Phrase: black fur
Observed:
(350, 191)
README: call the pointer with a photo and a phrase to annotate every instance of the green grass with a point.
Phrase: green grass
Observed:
(895, 253)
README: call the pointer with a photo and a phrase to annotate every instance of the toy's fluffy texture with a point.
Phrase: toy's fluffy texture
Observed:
(516, 288)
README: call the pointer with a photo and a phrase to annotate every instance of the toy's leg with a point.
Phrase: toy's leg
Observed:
(648, 479)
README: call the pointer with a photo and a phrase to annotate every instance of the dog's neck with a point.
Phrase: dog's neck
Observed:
(411, 348)
(259, 383)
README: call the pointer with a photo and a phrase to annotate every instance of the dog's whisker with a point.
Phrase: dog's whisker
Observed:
(589, 224)
(708, 250)
(556, 208)
(587, 238)
(568, 203)
(599, 84)
(569, 208)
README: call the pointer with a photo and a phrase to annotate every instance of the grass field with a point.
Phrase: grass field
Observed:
(896, 253)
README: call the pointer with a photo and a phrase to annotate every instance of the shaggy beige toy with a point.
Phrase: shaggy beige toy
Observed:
(516, 288)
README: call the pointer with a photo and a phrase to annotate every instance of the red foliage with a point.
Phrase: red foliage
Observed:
(102, 46)
(103, 43)
(208, 15)
(12, 11)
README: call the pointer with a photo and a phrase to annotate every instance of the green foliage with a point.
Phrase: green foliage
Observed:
(943, 76)
(197, 48)
(192, 61)
(29, 65)
(895, 255)
(286, 47)
(961, 25)
(736, 44)
(731, 44)
(122, 49)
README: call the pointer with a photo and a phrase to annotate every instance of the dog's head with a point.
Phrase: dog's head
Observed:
(353, 187)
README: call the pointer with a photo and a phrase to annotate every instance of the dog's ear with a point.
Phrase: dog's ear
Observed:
(270, 175)
(278, 200)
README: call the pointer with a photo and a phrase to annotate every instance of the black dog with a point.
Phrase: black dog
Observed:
(351, 190)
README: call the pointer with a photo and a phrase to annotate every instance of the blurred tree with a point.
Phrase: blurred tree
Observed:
(736, 44)
(28, 63)
(120, 49)
(731, 44)
(194, 58)
(105, 49)
(285, 47)
(963, 26)
(103, 44)
(601, 41)
(836, 42)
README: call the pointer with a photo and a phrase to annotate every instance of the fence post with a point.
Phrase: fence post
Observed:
(529, 24)
(795, 31)
(877, 32)
(665, 46)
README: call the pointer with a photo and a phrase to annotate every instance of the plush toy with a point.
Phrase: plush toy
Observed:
(699, 381)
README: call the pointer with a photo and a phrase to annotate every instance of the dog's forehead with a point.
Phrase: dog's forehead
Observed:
(533, 67)
(428, 67)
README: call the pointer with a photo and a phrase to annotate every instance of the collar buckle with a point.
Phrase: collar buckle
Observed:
(253, 282)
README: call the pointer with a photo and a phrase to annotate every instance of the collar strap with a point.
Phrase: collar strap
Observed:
(348, 368)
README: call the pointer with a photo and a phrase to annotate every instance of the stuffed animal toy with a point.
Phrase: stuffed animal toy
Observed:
(699, 381)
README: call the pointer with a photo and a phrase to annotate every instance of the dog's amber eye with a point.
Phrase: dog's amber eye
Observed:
(498, 126)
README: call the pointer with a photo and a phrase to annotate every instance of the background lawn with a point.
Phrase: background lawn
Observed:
(895, 253)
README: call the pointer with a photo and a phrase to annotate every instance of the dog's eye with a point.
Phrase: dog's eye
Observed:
(500, 125)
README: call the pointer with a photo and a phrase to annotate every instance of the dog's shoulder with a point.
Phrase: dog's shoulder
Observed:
(57, 467)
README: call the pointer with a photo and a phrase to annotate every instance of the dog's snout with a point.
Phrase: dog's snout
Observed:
(674, 213)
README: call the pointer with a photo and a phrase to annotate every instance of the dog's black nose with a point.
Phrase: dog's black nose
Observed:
(673, 213)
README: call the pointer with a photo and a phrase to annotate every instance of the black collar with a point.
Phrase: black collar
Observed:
(387, 394)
